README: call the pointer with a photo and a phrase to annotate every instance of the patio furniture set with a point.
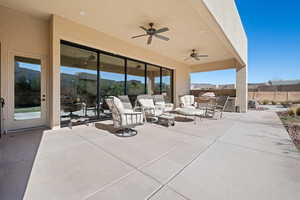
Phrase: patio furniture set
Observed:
(153, 108)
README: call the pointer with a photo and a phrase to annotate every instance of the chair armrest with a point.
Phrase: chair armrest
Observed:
(137, 109)
(133, 113)
(148, 108)
(169, 105)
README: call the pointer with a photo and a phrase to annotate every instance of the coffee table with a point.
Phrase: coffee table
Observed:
(192, 112)
(166, 119)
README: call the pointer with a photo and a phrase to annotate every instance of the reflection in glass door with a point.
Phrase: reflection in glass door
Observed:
(153, 80)
(27, 88)
(167, 82)
(136, 84)
(111, 80)
(78, 83)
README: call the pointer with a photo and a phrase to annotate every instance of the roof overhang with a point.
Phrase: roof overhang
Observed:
(209, 26)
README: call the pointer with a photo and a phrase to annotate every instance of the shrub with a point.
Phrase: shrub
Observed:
(291, 112)
(296, 102)
(286, 104)
(265, 102)
(298, 111)
(274, 103)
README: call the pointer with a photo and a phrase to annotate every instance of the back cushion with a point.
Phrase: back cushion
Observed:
(118, 103)
(147, 102)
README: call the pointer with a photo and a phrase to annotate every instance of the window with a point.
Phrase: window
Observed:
(27, 88)
(88, 76)
(78, 83)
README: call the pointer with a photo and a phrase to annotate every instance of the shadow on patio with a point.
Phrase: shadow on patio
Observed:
(17, 155)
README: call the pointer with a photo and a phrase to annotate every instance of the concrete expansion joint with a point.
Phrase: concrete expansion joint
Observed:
(138, 169)
(135, 169)
(181, 170)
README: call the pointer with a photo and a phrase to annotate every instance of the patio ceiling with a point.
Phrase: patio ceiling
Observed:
(121, 19)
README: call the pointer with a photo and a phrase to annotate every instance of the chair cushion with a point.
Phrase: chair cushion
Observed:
(118, 103)
(147, 103)
(126, 102)
(187, 100)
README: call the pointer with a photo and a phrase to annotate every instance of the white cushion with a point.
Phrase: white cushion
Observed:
(187, 100)
(118, 103)
(147, 103)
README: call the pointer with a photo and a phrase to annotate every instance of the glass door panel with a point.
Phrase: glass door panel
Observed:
(153, 80)
(167, 85)
(135, 79)
(78, 83)
(27, 97)
(112, 80)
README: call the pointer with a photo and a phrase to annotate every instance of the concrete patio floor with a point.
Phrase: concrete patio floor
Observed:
(243, 156)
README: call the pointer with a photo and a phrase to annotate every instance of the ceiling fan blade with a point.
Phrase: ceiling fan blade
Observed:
(187, 58)
(202, 56)
(162, 37)
(138, 36)
(162, 30)
(144, 28)
(149, 39)
(196, 58)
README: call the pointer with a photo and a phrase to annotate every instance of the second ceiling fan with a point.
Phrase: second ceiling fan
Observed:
(151, 31)
(194, 55)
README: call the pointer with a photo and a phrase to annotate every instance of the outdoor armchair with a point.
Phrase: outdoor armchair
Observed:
(146, 102)
(187, 101)
(216, 106)
(124, 119)
(160, 101)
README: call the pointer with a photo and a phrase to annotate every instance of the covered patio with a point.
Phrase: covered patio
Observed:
(242, 156)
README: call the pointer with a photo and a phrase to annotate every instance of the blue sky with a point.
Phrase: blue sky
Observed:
(273, 30)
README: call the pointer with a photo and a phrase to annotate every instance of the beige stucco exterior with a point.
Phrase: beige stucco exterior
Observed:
(36, 30)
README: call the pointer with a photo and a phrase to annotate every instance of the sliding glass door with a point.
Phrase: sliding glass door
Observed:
(111, 80)
(78, 83)
(136, 84)
(167, 84)
(88, 76)
(153, 79)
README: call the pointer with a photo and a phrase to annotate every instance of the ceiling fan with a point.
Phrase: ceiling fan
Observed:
(196, 56)
(151, 31)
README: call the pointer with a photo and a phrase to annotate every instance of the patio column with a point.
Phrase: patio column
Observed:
(242, 88)
(54, 72)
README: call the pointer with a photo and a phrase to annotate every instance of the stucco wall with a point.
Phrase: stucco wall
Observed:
(25, 35)
(227, 16)
(22, 35)
(64, 29)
